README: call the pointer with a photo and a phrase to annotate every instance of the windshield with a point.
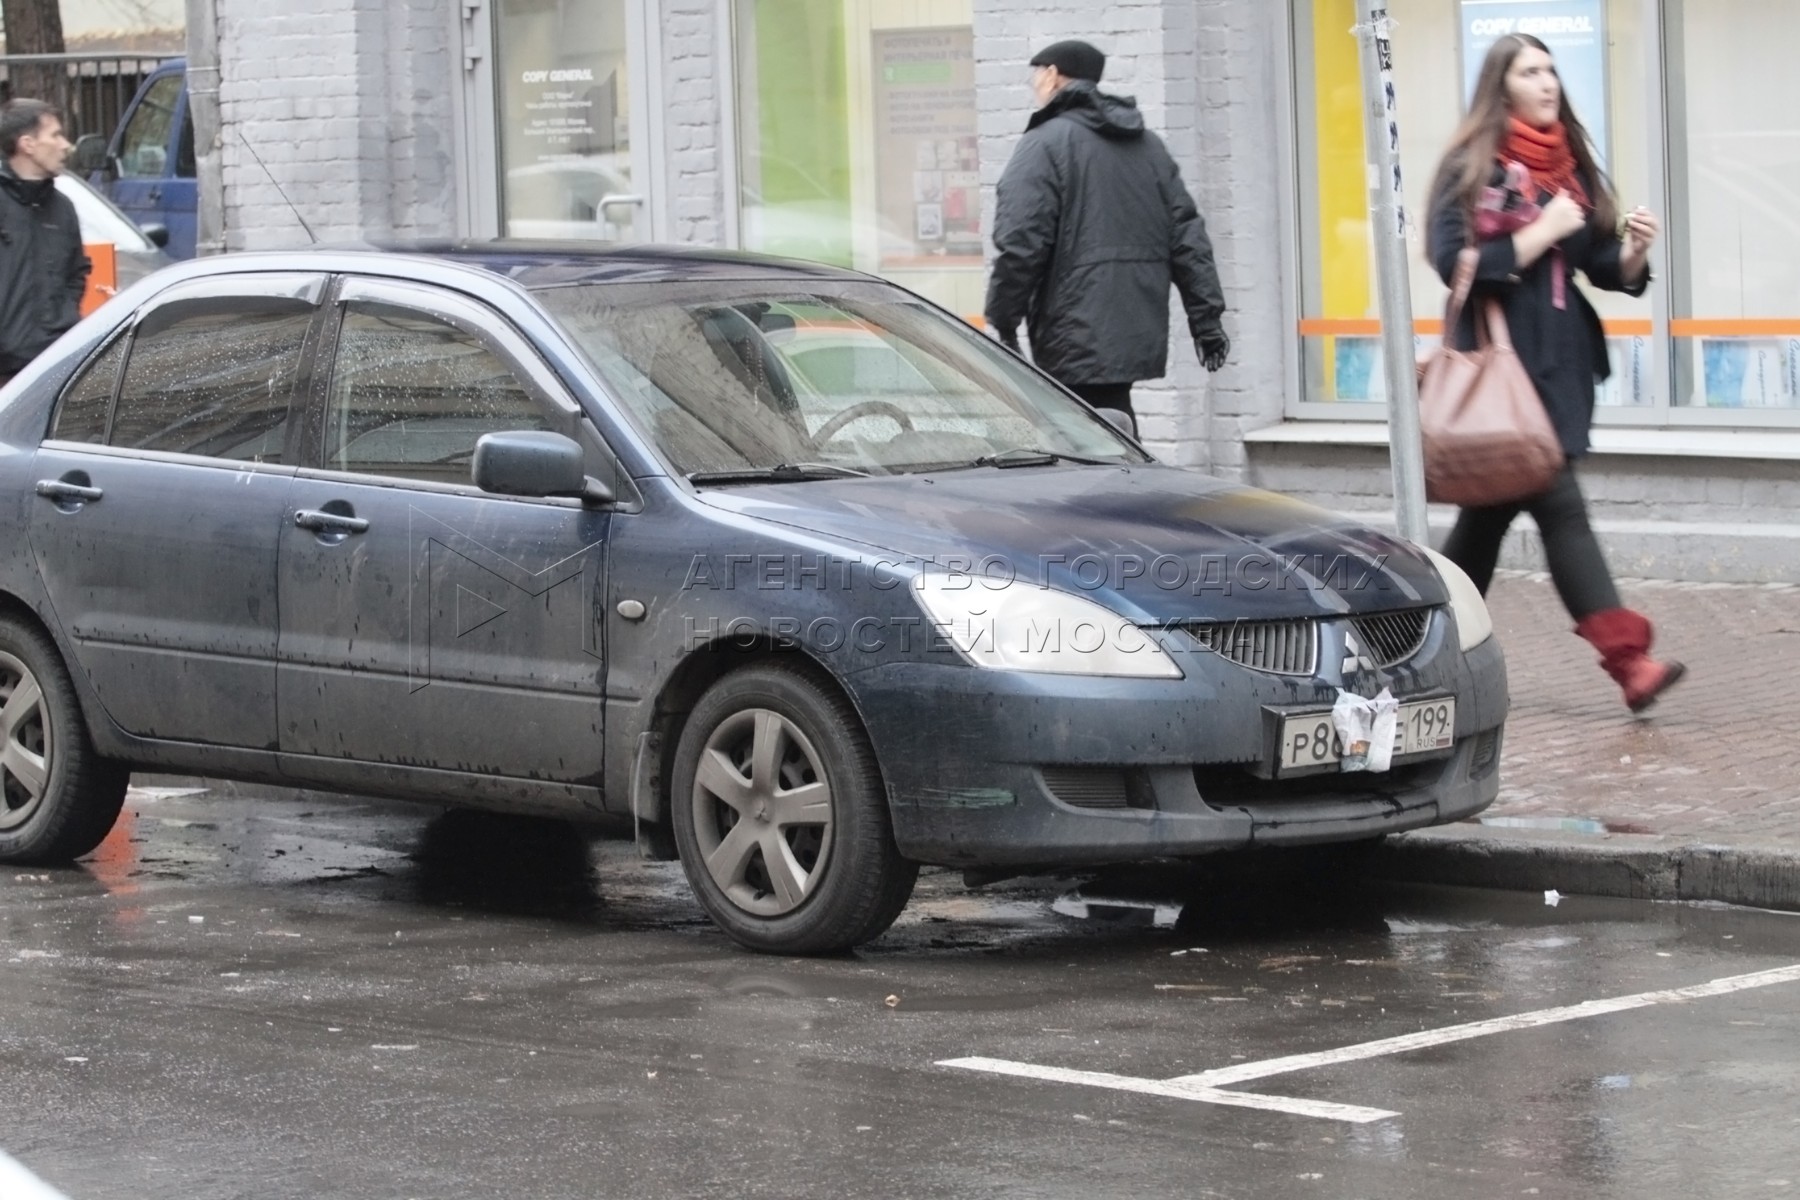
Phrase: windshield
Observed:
(752, 375)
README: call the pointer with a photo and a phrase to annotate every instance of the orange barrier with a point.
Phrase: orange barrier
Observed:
(103, 280)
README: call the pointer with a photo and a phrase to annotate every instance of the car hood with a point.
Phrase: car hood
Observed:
(1157, 543)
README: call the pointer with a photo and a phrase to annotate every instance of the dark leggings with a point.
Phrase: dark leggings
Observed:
(1577, 564)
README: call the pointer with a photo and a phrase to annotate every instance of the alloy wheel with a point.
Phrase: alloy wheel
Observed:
(762, 808)
(26, 743)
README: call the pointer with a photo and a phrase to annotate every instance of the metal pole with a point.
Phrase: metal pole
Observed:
(1387, 227)
(203, 104)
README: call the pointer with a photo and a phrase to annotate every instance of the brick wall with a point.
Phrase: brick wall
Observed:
(1238, 81)
(694, 114)
(347, 104)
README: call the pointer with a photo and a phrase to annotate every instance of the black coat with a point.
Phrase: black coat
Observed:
(43, 269)
(1562, 349)
(1091, 226)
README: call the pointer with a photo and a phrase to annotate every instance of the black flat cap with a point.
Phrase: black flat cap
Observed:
(1077, 60)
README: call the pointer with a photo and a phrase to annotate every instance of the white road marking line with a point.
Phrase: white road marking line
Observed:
(16, 1183)
(1207, 1087)
(1322, 1109)
(1474, 1029)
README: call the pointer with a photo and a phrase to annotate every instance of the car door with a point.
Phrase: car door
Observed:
(178, 204)
(161, 492)
(425, 623)
(144, 153)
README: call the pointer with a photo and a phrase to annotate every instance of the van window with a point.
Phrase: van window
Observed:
(144, 150)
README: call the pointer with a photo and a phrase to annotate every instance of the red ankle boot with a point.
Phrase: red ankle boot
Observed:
(1623, 639)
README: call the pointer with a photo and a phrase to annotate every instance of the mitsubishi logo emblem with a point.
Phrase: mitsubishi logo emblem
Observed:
(1354, 658)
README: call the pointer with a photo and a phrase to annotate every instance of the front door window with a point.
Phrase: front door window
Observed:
(411, 395)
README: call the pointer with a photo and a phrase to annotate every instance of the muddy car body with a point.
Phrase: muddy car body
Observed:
(557, 531)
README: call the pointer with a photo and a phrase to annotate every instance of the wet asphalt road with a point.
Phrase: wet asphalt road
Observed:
(264, 994)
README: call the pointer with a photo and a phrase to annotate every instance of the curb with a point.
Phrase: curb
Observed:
(1629, 866)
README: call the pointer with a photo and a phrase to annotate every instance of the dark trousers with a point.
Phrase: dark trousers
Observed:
(1577, 565)
(1105, 395)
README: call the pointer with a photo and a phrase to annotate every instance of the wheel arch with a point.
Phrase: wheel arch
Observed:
(698, 671)
(108, 738)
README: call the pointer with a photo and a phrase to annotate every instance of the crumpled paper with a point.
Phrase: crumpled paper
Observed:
(1366, 728)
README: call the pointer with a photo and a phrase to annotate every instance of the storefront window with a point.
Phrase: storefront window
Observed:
(564, 132)
(857, 139)
(1734, 131)
(1601, 52)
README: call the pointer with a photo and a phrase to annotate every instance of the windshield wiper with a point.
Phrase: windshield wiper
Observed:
(1025, 456)
(779, 473)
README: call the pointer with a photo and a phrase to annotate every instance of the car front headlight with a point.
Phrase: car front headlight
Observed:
(1023, 627)
(1473, 623)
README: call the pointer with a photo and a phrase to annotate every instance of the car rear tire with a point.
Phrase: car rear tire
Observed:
(58, 798)
(781, 815)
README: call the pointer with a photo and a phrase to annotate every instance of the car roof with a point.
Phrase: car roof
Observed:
(534, 265)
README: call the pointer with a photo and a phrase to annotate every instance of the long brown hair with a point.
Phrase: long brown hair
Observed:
(1469, 162)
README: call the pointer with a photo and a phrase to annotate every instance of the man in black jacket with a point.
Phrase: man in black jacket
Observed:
(43, 269)
(1092, 224)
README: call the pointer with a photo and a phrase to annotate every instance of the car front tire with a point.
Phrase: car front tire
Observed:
(58, 798)
(781, 815)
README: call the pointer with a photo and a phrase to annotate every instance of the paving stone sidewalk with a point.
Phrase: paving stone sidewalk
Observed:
(1717, 760)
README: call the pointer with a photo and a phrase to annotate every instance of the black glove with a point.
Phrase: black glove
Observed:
(1010, 339)
(1213, 347)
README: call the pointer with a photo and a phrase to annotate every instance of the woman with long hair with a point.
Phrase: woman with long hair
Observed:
(1520, 184)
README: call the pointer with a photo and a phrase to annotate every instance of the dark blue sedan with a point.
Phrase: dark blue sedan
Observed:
(779, 567)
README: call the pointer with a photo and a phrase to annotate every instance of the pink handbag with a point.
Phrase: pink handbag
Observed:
(1488, 438)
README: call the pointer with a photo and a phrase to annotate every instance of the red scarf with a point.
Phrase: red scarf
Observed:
(1547, 155)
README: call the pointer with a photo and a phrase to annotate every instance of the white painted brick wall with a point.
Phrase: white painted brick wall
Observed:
(694, 111)
(347, 104)
(1239, 52)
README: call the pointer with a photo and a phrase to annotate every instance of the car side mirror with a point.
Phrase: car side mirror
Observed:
(535, 463)
(157, 233)
(1120, 420)
(89, 154)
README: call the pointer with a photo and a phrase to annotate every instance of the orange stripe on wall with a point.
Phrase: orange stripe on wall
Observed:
(1767, 327)
(1328, 327)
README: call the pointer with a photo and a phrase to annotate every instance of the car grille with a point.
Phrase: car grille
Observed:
(1391, 638)
(1278, 647)
(1291, 647)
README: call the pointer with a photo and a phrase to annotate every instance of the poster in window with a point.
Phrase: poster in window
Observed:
(563, 125)
(1575, 31)
(928, 182)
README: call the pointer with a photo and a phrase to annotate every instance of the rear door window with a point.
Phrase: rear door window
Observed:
(214, 377)
(81, 414)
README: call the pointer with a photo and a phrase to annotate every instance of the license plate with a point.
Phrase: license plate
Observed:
(1311, 740)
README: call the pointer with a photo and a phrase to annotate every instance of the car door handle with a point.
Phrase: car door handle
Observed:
(56, 489)
(328, 522)
(154, 195)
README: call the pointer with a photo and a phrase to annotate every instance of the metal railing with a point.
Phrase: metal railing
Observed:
(92, 90)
